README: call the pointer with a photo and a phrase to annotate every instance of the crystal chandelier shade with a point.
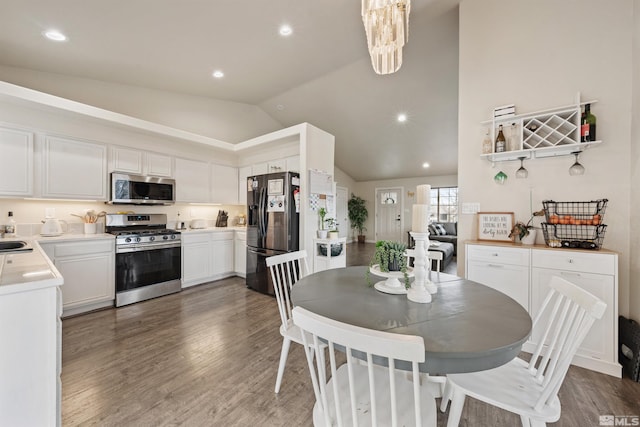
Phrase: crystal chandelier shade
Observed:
(386, 23)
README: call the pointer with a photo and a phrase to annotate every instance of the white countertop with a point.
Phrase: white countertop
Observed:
(26, 271)
(212, 229)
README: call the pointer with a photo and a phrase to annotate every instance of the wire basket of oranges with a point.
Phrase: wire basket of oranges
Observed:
(574, 224)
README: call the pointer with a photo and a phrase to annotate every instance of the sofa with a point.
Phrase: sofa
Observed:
(445, 232)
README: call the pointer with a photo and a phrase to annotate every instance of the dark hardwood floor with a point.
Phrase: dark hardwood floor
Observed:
(208, 356)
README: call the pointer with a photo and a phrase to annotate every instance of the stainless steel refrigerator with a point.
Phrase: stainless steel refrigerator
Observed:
(273, 212)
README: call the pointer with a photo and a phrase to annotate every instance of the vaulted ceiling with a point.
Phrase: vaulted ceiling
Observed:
(320, 74)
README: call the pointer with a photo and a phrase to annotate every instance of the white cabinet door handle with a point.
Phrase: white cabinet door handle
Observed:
(495, 265)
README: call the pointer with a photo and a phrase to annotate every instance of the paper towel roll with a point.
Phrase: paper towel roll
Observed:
(420, 219)
(423, 194)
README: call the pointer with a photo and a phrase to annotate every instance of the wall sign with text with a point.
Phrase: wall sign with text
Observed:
(495, 226)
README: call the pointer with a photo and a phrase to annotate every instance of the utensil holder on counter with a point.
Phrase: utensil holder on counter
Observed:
(90, 227)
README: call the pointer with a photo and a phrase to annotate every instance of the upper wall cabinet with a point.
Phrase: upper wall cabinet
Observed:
(243, 174)
(138, 162)
(548, 133)
(192, 181)
(224, 184)
(74, 169)
(16, 163)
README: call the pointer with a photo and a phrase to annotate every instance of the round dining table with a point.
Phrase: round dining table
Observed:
(467, 327)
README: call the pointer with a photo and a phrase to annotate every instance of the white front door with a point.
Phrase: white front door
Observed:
(389, 214)
(341, 211)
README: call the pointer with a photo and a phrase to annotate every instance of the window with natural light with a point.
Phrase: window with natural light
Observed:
(444, 204)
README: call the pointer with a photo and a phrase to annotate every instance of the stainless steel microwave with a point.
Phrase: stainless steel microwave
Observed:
(142, 190)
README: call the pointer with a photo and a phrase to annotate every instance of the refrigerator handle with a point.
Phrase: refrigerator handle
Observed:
(263, 212)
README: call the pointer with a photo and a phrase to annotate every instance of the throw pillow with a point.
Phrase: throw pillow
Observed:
(432, 230)
(440, 229)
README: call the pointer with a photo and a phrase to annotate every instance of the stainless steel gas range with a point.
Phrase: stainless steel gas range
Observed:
(148, 257)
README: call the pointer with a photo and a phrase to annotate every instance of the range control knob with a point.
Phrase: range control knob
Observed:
(138, 239)
(128, 239)
(165, 237)
(152, 238)
(173, 237)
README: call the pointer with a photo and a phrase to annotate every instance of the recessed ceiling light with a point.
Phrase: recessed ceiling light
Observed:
(279, 107)
(425, 165)
(285, 30)
(402, 118)
(54, 35)
(218, 74)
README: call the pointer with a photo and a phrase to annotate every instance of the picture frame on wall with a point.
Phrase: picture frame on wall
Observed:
(495, 226)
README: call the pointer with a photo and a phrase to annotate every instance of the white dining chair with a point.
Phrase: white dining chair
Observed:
(431, 256)
(364, 393)
(530, 389)
(437, 257)
(286, 269)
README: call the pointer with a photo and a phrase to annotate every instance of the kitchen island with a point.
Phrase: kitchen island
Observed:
(30, 333)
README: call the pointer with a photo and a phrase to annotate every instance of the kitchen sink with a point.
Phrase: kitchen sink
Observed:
(15, 246)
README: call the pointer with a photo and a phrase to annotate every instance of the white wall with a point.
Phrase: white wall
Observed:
(227, 121)
(634, 270)
(540, 57)
(367, 190)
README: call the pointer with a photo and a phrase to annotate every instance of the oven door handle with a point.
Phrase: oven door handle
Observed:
(121, 250)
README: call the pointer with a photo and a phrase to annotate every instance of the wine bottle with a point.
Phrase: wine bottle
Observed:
(590, 120)
(500, 141)
(587, 125)
(487, 146)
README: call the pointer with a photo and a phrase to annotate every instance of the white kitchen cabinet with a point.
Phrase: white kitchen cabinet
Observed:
(222, 253)
(74, 169)
(243, 174)
(207, 255)
(260, 168)
(293, 164)
(196, 255)
(240, 249)
(597, 274)
(224, 184)
(16, 163)
(275, 166)
(137, 162)
(158, 165)
(88, 268)
(192, 181)
(126, 160)
(30, 358)
(505, 269)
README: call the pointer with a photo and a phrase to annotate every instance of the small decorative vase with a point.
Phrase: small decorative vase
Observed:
(90, 227)
(530, 238)
(322, 234)
(333, 234)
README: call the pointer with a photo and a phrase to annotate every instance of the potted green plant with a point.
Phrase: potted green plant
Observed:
(390, 256)
(322, 232)
(358, 214)
(332, 224)
(525, 231)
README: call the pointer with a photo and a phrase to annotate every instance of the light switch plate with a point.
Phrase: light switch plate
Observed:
(470, 208)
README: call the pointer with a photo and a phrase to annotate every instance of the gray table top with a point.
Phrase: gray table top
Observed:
(467, 327)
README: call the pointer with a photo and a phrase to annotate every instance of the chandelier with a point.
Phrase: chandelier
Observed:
(386, 23)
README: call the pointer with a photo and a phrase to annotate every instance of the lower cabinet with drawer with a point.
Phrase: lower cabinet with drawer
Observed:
(88, 268)
(597, 274)
(505, 269)
(514, 269)
(207, 255)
